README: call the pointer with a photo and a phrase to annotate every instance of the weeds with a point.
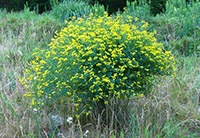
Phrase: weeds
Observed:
(77, 8)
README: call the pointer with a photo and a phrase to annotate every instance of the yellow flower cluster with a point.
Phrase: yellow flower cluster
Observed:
(94, 59)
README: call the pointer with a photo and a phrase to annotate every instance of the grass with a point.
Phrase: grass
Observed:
(172, 109)
(67, 9)
(20, 34)
(173, 112)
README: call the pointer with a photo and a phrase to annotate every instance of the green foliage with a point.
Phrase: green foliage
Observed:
(96, 59)
(140, 10)
(184, 22)
(76, 8)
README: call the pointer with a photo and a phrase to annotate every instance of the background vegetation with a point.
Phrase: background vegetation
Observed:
(156, 6)
(171, 109)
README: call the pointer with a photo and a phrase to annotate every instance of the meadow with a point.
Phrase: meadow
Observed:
(170, 109)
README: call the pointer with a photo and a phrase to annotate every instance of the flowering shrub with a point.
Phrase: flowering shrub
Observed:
(94, 59)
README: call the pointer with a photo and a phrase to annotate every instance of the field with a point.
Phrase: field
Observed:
(171, 109)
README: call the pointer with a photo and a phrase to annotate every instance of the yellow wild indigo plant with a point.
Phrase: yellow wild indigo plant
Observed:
(94, 59)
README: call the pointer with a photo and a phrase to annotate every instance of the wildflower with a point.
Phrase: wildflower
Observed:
(136, 19)
(69, 120)
(85, 134)
(35, 110)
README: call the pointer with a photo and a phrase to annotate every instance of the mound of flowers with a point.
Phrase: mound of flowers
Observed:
(94, 59)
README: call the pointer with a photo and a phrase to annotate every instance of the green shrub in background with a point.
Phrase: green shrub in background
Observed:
(157, 6)
(141, 10)
(75, 8)
(178, 26)
(94, 60)
(184, 19)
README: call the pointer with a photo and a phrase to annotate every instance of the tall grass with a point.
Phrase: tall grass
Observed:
(182, 24)
(68, 9)
(172, 110)
(20, 34)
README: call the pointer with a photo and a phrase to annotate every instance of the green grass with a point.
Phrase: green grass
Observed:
(172, 109)
(76, 8)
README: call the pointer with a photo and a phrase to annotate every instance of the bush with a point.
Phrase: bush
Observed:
(157, 6)
(142, 11)
(95, 59)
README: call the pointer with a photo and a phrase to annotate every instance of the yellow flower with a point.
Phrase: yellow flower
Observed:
(99, 64)
(136, 18)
